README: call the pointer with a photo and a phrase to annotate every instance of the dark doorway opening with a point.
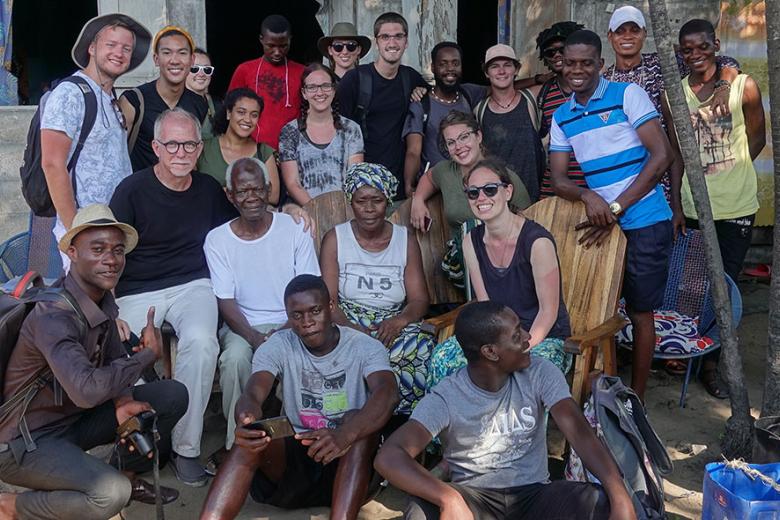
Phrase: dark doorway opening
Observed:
(44, 32)
(477, 30)
(233, 29)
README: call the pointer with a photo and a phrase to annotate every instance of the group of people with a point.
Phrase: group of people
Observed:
(173, 212)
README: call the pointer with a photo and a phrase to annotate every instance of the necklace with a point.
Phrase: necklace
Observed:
(444, 101)
(625, 74)
(508, 104)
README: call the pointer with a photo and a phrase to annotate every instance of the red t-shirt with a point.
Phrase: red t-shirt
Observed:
(280, 88)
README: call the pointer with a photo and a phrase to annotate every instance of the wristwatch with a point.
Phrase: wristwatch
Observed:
(616, 208)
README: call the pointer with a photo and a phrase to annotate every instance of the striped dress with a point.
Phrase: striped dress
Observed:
(553, 97)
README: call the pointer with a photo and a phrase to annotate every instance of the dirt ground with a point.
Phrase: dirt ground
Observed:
(691, 435)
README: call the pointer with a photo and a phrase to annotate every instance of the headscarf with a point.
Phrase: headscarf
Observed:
(370, 174)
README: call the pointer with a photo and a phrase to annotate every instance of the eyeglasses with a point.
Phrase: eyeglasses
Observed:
(338, 47)
(461, 139)
(490, 189)
(208, 70)
(325, 87)
(172, 147)
(552, 51)
(387, 37)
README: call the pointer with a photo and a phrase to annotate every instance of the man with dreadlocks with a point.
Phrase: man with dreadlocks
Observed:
(554, 92)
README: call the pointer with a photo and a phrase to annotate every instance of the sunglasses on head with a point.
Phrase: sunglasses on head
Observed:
(338, 47)
(552, 51)
(208, 70)
(490, 189)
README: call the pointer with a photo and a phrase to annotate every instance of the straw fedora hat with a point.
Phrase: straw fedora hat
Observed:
(143, 38)
(344, 31)
(98, 215)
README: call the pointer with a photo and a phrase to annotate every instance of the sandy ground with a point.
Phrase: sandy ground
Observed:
(691, 435)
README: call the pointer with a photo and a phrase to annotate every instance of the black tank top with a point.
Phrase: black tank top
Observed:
(514, 286)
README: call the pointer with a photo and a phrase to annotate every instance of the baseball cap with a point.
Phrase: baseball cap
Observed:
(500, 51)
(625, 14)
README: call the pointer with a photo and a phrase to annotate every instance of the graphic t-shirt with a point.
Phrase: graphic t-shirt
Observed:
(280, 88)
(321, 167)
(494, 439)
(319, 390)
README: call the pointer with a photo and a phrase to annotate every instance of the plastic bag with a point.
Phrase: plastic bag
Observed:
(730, 494)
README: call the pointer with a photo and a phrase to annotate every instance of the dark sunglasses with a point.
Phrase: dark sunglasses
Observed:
(490, 189)
(552, 51)
(338, 47)
(208, 70)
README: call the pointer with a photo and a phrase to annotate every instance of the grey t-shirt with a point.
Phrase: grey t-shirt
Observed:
(494, 440)
(317, 391)
(104, 160)
(320, 167)
(431, 153)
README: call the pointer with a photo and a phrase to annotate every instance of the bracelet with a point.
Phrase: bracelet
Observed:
(722, 84)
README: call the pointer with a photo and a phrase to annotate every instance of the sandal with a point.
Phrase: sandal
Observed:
(214, 460)
(675, 367)
(709, 378)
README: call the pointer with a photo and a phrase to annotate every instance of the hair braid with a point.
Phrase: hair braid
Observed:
(334, 110)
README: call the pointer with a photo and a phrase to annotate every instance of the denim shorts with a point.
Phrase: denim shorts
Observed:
(647, 265)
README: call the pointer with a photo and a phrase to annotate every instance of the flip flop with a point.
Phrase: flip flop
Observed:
(709, 379)
(675, 367)
(760, 271)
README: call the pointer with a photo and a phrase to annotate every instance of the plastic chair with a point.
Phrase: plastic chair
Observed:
(687, 304)
(13, 256)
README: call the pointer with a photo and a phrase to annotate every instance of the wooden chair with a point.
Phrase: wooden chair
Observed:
(591, 280)
(433, 246)
(326, 211)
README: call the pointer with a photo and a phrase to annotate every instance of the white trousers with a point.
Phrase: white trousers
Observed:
(192, 310)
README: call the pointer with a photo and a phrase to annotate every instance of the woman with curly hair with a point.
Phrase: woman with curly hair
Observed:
(233, 127)
(317, 148)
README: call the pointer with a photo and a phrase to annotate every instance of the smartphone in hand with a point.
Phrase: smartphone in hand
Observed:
(274, 427)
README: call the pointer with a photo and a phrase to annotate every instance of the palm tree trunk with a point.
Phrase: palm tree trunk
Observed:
(737, 440)
(771, 402)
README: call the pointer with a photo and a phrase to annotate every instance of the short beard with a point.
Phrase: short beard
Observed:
(448, 89)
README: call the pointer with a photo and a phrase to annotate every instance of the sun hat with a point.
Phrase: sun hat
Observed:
(97, 215)
(625, 14)
(344, 31)
(143, 37)
(500, 51)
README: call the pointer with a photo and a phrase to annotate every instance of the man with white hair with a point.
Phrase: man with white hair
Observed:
(83, 158)
(173, 207)
(251, 305)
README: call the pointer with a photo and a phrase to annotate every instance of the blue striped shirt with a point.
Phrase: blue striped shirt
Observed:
(603, 136)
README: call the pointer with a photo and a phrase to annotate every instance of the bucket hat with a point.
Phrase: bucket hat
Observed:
(143, 37)
(344, 31)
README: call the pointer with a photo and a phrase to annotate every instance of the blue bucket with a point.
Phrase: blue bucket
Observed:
(729, 494)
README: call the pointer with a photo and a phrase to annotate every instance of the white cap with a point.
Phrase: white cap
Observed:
(625, 14)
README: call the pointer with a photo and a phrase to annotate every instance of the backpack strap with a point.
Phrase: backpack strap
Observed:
(479, 110)
(365, 86)
(426, 106)
(533, 111)
(90, 115)
(139, 117)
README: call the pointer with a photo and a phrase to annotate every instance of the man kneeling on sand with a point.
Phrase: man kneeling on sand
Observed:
(338, 392)
(490, 417)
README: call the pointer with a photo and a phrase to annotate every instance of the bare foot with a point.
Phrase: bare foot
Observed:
(8, 506)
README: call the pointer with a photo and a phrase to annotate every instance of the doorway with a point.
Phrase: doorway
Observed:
(43, 33)
(477, 31)
(233, 29)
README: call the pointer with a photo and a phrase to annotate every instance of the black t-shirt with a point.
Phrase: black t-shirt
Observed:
(142, 156)
(386, 115)
(172, 226)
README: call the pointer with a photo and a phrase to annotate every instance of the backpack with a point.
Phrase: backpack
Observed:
(366, 85)
(530, 101)
(621, 423)
(14, 309)
(34, 187)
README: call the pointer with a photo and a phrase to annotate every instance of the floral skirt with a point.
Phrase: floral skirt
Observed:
(448, 357)
(409, 351)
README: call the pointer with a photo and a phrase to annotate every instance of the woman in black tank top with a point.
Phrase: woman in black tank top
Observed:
(512, 260)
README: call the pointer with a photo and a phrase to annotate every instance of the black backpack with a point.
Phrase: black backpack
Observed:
(366, 85)
(34, 187)
(14, 309)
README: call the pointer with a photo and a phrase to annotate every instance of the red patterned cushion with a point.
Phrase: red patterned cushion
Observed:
(675, 334)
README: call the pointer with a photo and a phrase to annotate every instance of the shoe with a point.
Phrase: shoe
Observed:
(189, 471)
(143, 492)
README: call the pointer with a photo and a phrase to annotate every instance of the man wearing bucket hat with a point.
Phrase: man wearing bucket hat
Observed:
(173, 50)
(344, 47)
(91, 392)
(509, 119)
(107, 47)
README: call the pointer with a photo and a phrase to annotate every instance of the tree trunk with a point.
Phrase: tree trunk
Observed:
(737, 440)
(771, 402)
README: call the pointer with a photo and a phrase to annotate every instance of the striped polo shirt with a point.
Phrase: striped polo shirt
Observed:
(603, 136)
